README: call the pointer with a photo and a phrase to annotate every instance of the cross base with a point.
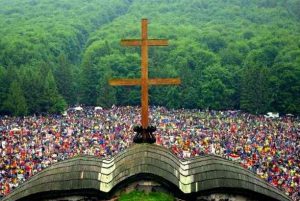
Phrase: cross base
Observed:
(144, 135)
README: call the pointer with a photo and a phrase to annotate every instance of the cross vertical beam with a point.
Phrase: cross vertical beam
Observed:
(144, 133)
(144, 64)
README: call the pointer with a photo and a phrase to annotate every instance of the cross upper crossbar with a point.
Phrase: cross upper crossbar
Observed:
(144, 82)
(138, 42)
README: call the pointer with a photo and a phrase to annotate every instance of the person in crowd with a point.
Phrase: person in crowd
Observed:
(268, 147)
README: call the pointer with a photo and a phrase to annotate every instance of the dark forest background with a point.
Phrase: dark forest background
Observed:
(230, 54)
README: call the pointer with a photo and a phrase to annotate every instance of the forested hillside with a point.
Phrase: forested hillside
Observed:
(230, 54)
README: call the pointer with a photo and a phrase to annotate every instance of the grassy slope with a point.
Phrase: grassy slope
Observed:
(141, 196)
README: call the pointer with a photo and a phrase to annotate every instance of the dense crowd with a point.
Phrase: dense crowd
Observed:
(268, 147)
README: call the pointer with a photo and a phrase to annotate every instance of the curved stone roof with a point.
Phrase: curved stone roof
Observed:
(193, 176)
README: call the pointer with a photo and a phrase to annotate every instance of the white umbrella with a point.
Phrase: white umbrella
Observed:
(98, 108)
(78, 108)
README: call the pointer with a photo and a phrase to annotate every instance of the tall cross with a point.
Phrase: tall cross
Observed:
(144, 81)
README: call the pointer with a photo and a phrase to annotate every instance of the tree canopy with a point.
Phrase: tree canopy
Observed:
(229, 54)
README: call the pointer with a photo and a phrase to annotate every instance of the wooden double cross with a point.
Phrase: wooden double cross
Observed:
(144, 81)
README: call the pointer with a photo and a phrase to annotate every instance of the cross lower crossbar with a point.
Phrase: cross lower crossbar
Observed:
(124, 82)
(155, 81)
(164, 81)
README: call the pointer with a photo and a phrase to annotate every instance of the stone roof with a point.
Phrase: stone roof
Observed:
(86, 174)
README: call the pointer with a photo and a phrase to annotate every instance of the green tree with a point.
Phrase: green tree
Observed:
(190, 89)
(79, 42)
(217, 88)
(106, 93)
(15, 103)
(64, 80)
(3, 92)
(255, 90)
(52, 101)
(91, 68)
(7, 76)
(286, 82)
(32, 82)
(214, 41)
(231, 56)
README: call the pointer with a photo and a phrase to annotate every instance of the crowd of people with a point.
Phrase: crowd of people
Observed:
(268, 147)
